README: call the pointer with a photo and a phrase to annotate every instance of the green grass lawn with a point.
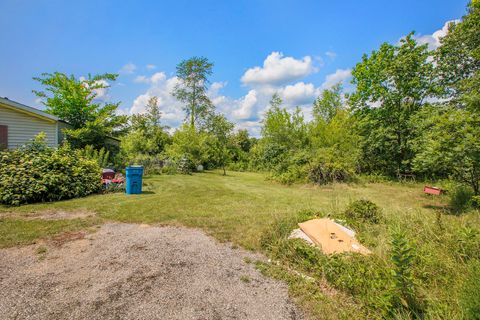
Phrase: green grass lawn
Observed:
(237, 207)
(242, 207)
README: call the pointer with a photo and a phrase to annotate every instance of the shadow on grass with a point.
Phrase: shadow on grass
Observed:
(446, 209)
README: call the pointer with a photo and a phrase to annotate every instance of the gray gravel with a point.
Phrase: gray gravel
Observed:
(126, 271)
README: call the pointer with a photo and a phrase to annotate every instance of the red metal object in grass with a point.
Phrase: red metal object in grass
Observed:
(432, 190)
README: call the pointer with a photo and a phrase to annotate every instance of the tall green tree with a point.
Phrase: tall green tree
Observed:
(283, 128)
(328, 103)
(458, 60)
(74, 100)
(147, 136)
(220, 130)
(392, 84)
(450, 143)
(450, 146)
(192, 89)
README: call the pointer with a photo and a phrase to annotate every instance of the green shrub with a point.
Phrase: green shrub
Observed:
(460, 198)
(475, 201)
(470, 297)
(37, 173)
(101, 156)
(324, 173)
(403, 256)
(363, 210)
(170, 168)
(467, 243)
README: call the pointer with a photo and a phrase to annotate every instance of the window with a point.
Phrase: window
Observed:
(3, 137)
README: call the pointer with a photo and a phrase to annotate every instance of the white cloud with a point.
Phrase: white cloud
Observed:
(101, 93)
(151, 66)
(433, 40)
(340, 75)
(246, 106)
(141, 79)
(129, 68)
(161, 87)
(332, 55)
(253, 127)
(278, 69)
(299, 93)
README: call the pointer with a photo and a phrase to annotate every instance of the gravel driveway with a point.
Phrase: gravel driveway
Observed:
(127, 271)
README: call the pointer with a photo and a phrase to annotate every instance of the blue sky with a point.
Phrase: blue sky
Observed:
(295, 48)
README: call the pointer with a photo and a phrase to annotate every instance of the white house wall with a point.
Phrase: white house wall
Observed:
(23, 127)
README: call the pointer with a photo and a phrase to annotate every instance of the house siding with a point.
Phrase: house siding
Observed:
(23, 127)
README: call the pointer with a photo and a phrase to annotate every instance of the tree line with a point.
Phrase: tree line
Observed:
(413, 111)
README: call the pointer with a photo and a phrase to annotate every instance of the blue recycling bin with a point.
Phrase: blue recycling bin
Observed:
(134, 179)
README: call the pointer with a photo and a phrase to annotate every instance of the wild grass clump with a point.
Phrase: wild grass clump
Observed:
(470, 297)
(415, 271)
(363, 211)
(460, 198)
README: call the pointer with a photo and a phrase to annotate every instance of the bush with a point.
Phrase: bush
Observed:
(37, 173)
(325, 173)
(460, 198)
(475, 201)
(363, 210)
(470, 297)
(101, 156)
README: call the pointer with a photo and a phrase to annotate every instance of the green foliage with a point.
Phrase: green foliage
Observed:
(152, 164)
(185, 165)
(324, 173)
(284, 129)
(326, 106)
(146, 138)
(220, 130)
(475, 201)
(363, 211)
(76, 102)
(470, 297)
(101, 157)
(38, 174)
(450, 146)
(458, 59)
(192, 89)
(460, 198)
(397, 79)
(402, 257)
(189, 145)
(467, 243)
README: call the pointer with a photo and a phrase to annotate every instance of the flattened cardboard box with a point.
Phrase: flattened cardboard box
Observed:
(330, 237)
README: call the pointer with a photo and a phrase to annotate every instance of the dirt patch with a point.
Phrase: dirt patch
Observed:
(50, 215)
(129, 271)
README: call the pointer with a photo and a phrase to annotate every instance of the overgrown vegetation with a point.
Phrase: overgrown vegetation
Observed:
(37, 173)
(413, 112)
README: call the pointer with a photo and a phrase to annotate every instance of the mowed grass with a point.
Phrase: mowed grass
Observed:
(243, 208)
(237, 207)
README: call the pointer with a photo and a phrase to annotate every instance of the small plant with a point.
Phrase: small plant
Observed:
(470, 296)
(247, 260)
(101, 156)
(402, 257)
(41, 250)
(460, 198)
(185, 165)
(245, 279)
(363, 210)
(475, 201)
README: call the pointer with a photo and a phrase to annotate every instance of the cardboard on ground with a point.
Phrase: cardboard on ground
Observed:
(330, 237)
